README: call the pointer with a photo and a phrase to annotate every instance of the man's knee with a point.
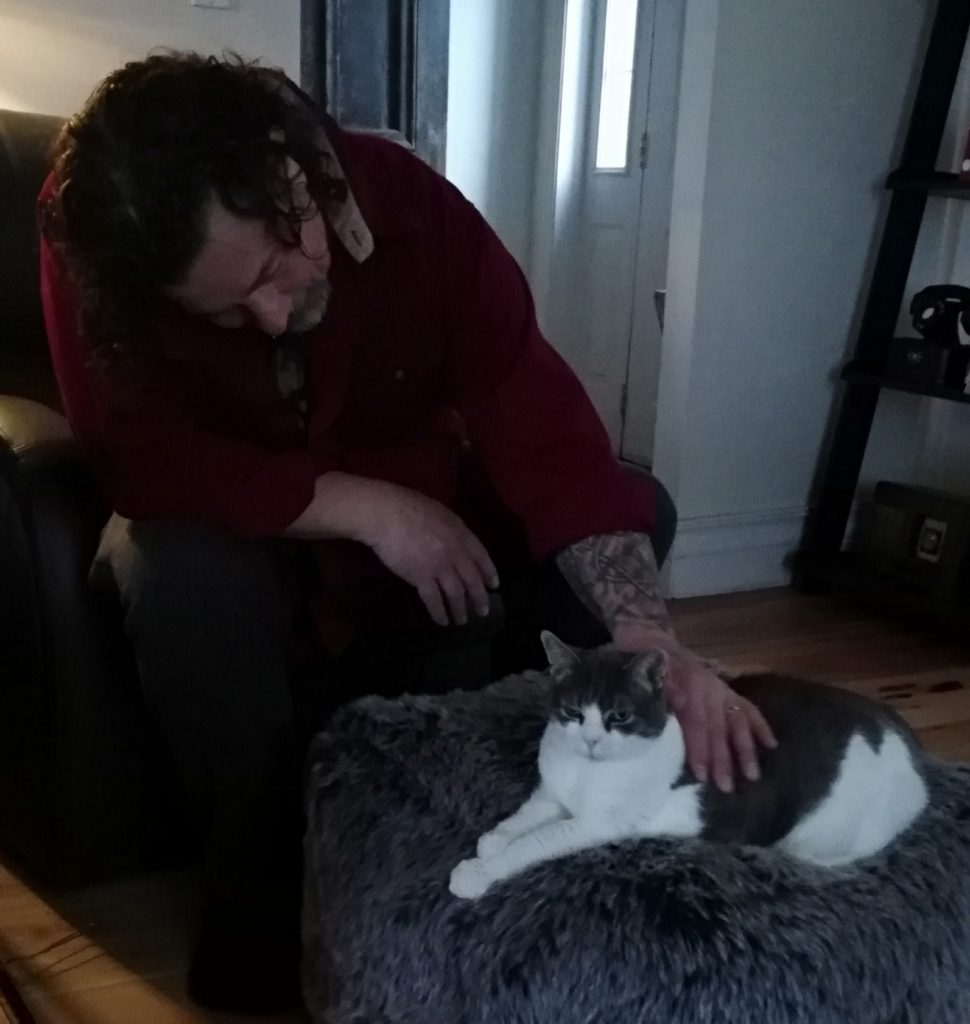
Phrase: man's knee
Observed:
(186, 572)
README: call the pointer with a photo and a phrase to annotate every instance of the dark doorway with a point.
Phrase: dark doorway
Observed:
(381, 65)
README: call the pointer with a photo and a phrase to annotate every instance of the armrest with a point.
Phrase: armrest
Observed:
(70, 763)
(46, 478)
(51, 501)
(28, 428)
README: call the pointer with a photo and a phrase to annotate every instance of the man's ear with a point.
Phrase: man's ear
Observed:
(650, 669)
(562, 658)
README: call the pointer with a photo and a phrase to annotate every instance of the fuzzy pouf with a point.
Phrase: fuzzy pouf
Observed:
(651, 931)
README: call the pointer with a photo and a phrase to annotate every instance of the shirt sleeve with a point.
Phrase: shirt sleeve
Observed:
(154, 458)
(544, 447)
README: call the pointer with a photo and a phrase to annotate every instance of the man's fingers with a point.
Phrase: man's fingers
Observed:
(761, 728)
(695, 743)
(471, 577)
(739, 725)
(722, 770)
(455, 594)
(482, 559)
(431, 596)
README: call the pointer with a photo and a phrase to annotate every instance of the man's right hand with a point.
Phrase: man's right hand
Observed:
(431, 548)
(416, 537)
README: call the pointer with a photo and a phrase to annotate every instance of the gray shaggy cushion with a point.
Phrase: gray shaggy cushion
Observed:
(658, 931)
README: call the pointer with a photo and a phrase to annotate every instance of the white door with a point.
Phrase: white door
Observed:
(613, 342)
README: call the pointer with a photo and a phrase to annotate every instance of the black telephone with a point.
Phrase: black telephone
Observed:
(939, 311)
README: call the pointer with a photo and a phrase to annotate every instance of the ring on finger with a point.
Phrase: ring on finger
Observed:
(732, 708)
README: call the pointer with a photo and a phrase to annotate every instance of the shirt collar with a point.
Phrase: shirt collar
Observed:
(344, 213)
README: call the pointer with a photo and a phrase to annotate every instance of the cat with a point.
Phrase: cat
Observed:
(844, 781)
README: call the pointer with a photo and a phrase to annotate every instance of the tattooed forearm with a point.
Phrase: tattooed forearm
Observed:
(615, 575)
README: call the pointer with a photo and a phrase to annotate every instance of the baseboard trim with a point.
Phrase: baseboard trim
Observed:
(735, 552)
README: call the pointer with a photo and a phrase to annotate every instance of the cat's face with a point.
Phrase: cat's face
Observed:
(607, 705)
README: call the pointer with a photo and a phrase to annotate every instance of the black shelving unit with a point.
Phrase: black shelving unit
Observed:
(855, 376)
(911, 185)
(939, 183)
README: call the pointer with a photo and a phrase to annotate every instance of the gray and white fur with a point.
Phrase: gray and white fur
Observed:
(844, 781)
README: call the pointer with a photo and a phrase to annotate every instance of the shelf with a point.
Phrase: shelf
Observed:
(937, 183)
(847, 573)
(854, 376)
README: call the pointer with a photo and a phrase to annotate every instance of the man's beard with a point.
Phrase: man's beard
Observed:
(309, 307)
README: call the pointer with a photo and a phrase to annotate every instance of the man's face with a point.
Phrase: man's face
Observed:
(244, 277)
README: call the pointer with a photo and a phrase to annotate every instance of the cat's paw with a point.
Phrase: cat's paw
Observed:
(493, 843)
(469, 880)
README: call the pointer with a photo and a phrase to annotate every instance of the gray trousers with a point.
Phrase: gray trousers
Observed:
(209, 617)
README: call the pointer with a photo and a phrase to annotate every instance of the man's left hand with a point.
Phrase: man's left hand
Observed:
(716, 723)
(715, 720)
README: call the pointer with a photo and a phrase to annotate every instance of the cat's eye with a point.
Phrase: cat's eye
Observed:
(618, 718)
(571, 714)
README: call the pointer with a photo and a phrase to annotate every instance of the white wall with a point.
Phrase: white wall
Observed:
(53, 52)
(493, 102)
(792, 113)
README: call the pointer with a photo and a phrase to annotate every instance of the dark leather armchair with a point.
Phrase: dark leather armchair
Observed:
(72, 731)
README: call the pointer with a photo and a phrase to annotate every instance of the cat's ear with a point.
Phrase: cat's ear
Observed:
(562, 658)
(650, 669)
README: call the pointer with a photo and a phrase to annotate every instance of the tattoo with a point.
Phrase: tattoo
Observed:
(616, 576)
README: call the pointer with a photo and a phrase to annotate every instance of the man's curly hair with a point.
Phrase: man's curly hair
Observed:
(134, 172)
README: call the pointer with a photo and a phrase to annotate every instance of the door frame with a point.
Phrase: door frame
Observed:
(562, 157)
(409, 102)
(653, 242)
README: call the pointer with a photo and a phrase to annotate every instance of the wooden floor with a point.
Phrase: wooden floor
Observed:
(116, 954)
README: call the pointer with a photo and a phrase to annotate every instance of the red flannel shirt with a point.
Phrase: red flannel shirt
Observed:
(429, 348)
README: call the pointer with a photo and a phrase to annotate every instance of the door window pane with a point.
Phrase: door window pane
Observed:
(616, 87)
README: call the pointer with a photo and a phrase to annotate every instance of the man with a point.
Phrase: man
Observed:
(312, 381)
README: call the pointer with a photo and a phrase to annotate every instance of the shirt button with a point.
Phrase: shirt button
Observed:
(399, 375)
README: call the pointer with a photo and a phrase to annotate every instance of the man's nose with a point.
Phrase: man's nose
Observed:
(270, 311)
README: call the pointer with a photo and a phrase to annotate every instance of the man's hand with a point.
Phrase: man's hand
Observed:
(715, 720)
(417, 538)
(428, 546)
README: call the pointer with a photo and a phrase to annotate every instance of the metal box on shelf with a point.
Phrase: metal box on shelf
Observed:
(921, 537)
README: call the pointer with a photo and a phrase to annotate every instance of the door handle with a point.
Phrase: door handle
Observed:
(659, 304)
